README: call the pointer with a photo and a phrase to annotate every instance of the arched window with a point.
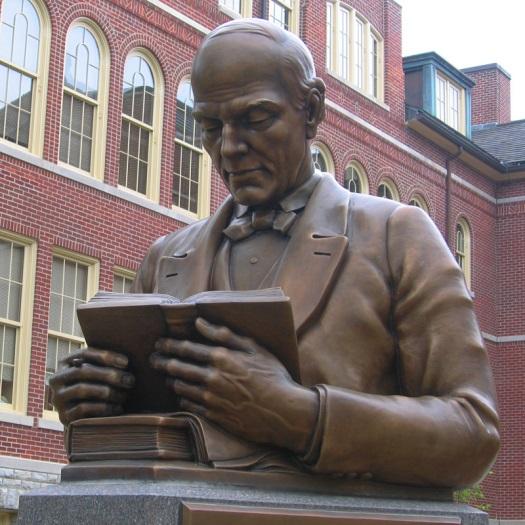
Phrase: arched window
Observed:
(322, 159)
(84, 96)
(387, 190)
(463, 249)
(419, 202)
(190, 174)
(355, 178)
(24, 41)
(139, 154)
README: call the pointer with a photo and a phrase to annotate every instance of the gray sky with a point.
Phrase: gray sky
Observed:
(471, 33)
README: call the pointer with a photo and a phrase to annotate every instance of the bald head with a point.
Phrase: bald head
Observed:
(292, 62)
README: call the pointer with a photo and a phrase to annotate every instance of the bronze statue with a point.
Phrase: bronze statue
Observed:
(396, 384)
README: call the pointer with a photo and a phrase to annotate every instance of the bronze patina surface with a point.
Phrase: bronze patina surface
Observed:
(396, 385)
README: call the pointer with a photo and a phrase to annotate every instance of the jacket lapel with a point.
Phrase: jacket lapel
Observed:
(315, 251)
(186, 269)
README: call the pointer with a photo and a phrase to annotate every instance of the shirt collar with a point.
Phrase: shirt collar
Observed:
(294, 201)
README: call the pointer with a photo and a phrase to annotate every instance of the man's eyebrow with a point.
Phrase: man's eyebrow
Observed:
(202, 110)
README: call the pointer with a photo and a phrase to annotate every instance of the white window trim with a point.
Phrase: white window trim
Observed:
(392, 187)
(246, 10)
(98, 147)
(93, 266)
(361, 173)
(23, 347)
(38, 108)
(467, 238)
(120, 271)
(417, 197)
(448, 110)
(204, 192)
(294, 7)
(155, 149)
(368, 30)
(325, 152)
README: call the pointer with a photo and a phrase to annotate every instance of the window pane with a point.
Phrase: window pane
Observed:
(8, 337)
(358, 53)
(318, 159)
(82, 62)
(352, 180)
(122, 284)
(138, 89)
(279, 14)
(11, 272)
(329, 34)
(344, 36)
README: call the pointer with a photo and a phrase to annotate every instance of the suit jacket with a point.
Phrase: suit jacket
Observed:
(386, 331)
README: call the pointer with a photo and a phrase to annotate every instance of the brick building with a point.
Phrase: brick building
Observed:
(99, 156)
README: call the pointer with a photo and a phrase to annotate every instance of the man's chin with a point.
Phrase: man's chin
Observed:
(252, 196)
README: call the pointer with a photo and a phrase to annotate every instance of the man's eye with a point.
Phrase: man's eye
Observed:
(210, 127)
(258, 122)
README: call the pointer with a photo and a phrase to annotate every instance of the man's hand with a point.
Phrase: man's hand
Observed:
(240, 386)
(90, 383)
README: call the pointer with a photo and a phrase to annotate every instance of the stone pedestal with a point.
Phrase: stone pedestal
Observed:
(198, 502)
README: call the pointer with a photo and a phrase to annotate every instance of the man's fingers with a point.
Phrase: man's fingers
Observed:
(92, 374)
(194, 408)
(90, 391)
(96, 356)
(180, 369)
(225, 337)
(188, 350)
(90, 409)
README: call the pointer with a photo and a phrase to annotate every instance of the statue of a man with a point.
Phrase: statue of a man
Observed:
(396, 383)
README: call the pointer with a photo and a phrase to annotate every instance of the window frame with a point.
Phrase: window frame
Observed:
(100, 117)
(155, 143)
(93, 269)
(466, 267)
(245, 11)
(389, 184)
(39, 94)
(345, 70)
(124, 273)
(446, 102)
(25, 325)
(204, 185)
(294, 15)
(361, 175)
(420, 202)
(325, 153)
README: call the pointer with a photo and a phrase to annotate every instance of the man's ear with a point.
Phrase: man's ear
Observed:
(314, 107)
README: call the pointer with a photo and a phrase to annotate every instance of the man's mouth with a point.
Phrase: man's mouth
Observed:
(240, 173)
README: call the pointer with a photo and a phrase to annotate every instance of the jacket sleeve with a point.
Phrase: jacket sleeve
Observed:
(442, 428)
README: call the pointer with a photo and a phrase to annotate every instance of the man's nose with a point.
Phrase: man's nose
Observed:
(232, 143)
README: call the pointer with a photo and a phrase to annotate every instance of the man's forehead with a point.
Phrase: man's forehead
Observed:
(237, 106)
(235, 58)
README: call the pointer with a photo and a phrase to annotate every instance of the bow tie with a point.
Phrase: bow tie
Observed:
(257, 220)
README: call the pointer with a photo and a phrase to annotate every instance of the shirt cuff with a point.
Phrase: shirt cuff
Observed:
(312, 452)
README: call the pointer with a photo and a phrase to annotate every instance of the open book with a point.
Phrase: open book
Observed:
(132, 323)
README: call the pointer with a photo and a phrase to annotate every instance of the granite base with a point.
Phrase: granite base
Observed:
(139, 502)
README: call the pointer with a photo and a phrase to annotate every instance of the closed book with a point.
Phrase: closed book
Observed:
(180, 436)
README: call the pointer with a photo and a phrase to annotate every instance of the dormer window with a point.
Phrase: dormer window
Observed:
(436, 88)
(450, 105)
